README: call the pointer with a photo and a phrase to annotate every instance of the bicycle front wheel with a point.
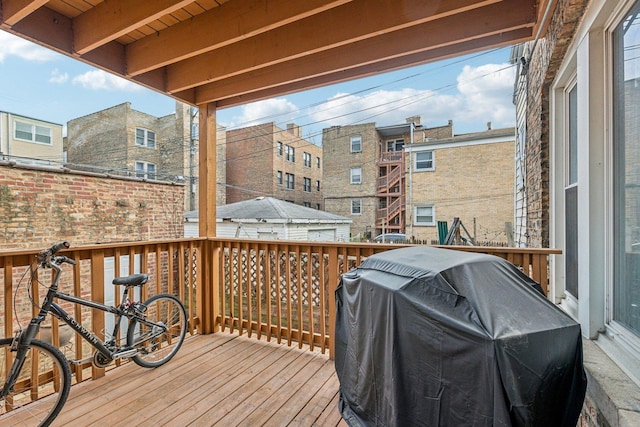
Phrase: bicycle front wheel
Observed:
(159, 335)
(41, 389)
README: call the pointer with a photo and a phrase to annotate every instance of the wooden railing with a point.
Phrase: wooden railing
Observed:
(173, 266)
(283, 291)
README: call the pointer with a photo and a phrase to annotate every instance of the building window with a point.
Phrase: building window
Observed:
(318, 162)
(317, 185)
(307, 159)
(306, 204)
(145, 138)
(626, 179)
(356, 175)
(318, 206)
(356, 207)
(291, 178)
(424, 161)
(425, 215)
(145, 170)
(356, 144)
(279, 148)
(290, 154)
(307, 185)
(395, 145)
(32, 133)
(279, 177)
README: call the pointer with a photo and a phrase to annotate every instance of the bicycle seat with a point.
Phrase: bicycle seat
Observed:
(133, 280)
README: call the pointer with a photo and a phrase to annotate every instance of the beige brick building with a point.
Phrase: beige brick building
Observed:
(469, 176)
(265, 160)
(365, 173)
(32, 141)
(124, 142)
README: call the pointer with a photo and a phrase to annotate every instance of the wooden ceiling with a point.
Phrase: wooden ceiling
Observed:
(231, 52)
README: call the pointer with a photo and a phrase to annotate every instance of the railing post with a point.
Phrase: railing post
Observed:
(97, 295)
(333, 284)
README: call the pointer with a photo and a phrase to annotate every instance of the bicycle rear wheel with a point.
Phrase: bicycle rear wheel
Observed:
(41, 389)
(159, 337)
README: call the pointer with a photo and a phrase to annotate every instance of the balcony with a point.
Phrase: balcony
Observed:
(255, 308)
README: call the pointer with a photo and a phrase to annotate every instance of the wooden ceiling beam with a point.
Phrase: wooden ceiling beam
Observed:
(332, 28)
(265, 83)
(429, 35)
(114, 18)
(14, 11)
(220, 26)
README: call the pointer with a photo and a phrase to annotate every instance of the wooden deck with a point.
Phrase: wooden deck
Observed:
(219, 379)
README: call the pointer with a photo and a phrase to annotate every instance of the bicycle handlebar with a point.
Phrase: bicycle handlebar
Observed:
(45, 255)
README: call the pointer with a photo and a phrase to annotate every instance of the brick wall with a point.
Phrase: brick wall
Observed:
(547, 57)
(39, 207)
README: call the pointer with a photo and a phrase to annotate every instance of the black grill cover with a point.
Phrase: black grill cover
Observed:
(437, 337)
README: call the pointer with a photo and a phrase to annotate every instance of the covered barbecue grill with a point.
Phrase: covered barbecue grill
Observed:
(437, 337)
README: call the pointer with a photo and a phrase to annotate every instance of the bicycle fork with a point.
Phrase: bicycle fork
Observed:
(21, 345)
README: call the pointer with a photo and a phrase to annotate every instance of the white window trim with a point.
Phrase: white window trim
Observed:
(351, 176)
(353, 138)
(33, 132)
(433, 161)
(351, 206)
(424, 224)
(145, 170)
(146, 138)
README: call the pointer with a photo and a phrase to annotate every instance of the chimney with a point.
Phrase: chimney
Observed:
(294, 129)
(414, 119)
(488, 125)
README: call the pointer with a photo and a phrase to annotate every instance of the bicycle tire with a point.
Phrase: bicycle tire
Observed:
(156, 350)
(27, 405)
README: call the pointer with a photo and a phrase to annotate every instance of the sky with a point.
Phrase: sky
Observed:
(471, 90)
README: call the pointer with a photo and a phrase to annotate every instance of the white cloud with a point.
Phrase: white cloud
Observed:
(101, 80)
(58, 77)
(270, 110)
(13, 45)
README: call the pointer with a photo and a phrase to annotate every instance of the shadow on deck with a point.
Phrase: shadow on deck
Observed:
(218, 379)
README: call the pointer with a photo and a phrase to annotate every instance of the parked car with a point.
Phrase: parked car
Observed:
(391, 238)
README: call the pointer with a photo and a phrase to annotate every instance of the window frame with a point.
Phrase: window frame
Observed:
(424, 223)
(352, 140)
(359, 206)
(306, 182)
(279, 177)
(290, 154)
(279, 148)
(144, 173)
(351, 175)
(424, 169)
(290, 181)
(306, 159)
(33, 132)
(146, 140)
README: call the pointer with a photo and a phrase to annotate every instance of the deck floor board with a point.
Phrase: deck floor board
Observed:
(221, 379)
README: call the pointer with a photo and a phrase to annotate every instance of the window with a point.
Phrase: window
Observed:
(32, 133)
(318, 162)
(291, 178)
(626, 182)
(317, 185)
(307, 159)
(356, 207)
(424, 161)
(279, 177)
(318, 206)
(395, 145)
(145, 170)
(425, 215)
(356, 175)
(306, 204)
(291, 154)
(307, 185)
(279, 148)
(356, 144)
(145, 138)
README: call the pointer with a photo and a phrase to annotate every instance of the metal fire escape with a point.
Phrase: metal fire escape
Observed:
(390, 191)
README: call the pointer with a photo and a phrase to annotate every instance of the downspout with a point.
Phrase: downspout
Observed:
(9, 136)
(411, 179)
(1, 118)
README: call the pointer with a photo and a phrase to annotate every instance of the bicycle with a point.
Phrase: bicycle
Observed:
(35, 386)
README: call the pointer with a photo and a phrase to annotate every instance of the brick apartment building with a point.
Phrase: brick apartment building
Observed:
(26, 140)
(365, 173)
(265, 160)
(467, 176)
(124, 142)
